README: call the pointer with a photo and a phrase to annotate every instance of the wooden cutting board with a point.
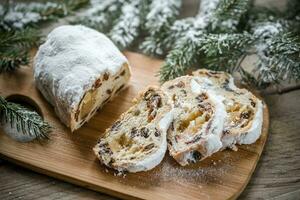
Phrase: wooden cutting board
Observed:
(69, 156)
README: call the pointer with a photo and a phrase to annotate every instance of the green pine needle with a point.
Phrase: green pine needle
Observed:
(19, 34)
(26, 38)
(223, 51)
(166, 11)
(228, 15)
(183, 57)
(280, 59)
(26, 121)
(214, 51)
(14, 48)
(126, 28)
(101, 14)
(21, 15)
(219, 44)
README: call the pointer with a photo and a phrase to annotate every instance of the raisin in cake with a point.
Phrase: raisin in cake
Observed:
(244, 118)
(78, 70)
(137, 140)
(198, 117)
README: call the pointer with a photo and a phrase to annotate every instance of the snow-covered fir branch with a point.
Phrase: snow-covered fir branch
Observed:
(19, 15)
(228, 15)
(168, 39)
(181, 57)
(15, 46)
(278, 53)
(221, 52)
(162, 14)
(210, 16)
(23, 120)
(127, 27)
(183, 43)
(18, 28)
(101, 14)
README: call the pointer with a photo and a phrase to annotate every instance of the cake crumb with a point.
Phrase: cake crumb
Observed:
(234, 148)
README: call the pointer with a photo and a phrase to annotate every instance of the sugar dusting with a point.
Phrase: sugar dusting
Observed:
(71, 60)
(214, 170)
(184, 175)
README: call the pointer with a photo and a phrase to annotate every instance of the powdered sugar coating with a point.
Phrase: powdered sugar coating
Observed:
(69, 63)
(73, 57)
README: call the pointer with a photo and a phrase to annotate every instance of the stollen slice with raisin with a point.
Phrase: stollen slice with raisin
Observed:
(244, 118)
(137, 140)
(198, 118)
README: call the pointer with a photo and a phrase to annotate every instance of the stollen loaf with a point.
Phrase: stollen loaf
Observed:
(78, 70)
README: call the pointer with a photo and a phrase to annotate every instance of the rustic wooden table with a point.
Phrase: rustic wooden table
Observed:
(277, 175)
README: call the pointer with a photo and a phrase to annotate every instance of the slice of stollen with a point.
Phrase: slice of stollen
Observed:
(198, 118)
(137, 140)
(244, 117)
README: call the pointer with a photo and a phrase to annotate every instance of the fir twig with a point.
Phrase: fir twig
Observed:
(127, 27)
(14, 48)
(182, 57)
(21, 15)
(273, 37)
(279, 59)
(101, 14)
(166, 11)
(228, 15)
(26, 121)
(168, 40)
(218, 44)
(16, 38)
(189, 51)
(224, 51)
(177, 32)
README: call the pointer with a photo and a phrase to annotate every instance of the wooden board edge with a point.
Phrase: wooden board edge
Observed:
(266, 124)
(68, 179)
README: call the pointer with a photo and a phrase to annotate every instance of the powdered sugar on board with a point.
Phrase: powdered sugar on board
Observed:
(210, 171)
(72, 58)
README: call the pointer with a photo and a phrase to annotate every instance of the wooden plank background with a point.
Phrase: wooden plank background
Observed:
(277, 175)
